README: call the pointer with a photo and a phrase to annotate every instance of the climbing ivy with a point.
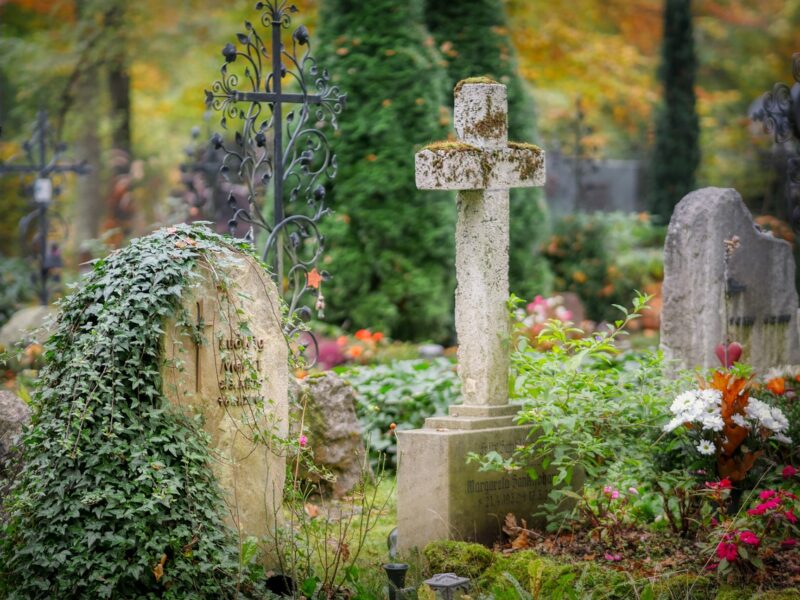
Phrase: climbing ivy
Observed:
(116, 497)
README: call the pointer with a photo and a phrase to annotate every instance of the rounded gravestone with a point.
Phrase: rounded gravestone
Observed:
(236, 379)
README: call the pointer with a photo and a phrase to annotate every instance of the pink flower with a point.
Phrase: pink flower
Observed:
(767, 494)
(711, 566)
(789, 514)
(614, 495)
(607, 490)
(727, 551)
(750, 538)
(303, 441)
(789, 543)
(612, 557)
(633, 490)
(714, 521)
(788, 471)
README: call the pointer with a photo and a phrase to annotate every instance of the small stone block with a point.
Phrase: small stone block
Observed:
(458, 166)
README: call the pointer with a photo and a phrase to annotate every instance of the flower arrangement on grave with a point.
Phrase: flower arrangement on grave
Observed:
(721, 419)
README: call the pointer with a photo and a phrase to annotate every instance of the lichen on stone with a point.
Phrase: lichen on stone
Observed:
(449, 146)
(469, 80)
(529, 163)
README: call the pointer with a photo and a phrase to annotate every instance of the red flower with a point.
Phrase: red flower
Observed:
(788, 471)
(750, 538)
(789, 543)
(789, 514)
(377, 337)
(727, 551)
(363, 335)
(723, 484)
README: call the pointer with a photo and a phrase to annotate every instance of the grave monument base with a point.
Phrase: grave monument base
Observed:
(440, 496)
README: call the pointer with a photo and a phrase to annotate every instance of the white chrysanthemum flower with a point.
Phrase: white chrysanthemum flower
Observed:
(711, 397)
(783, 439)
(712, 422)
(739, 420)
(674, 423)
(705, 447)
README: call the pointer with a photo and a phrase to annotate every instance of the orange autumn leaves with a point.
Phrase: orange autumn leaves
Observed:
(735, 396)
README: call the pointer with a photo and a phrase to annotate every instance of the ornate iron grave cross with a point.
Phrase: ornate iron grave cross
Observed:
(780, 114)
(37, 240)
(295, 161)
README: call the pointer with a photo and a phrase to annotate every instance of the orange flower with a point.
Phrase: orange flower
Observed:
(355, 351)
(313, 278)
(301, 374)
(363, 335)
(377, 337)
(777, 385)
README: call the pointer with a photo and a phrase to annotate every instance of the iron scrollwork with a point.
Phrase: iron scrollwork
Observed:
(289, 154)
(43, 229)
(779, 113)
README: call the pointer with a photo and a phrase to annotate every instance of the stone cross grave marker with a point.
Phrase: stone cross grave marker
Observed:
(233, 371)
(439, 495)
(756, 307)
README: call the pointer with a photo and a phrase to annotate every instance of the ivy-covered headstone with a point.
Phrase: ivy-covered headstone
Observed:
(154, 429)
(228, 364)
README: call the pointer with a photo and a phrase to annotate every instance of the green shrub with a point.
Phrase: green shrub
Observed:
(405, 393)
(390, 245)
(603, 258)
(462, 558)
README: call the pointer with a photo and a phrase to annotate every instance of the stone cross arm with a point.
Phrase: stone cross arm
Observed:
(462, 166)
(482, 158)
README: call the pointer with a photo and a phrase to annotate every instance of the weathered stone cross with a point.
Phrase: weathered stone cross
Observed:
(483, 165)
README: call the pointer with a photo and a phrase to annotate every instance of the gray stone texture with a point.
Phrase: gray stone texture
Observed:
(761, 310)
(27, 325)
(331, 426)
(14, 414)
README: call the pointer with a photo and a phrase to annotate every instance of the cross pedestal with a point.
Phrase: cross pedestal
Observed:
(439, 495)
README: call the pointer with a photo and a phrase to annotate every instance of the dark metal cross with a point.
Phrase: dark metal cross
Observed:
(301, 159)
(38, 164)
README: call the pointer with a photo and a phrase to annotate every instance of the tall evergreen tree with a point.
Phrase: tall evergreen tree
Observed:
(390, 246)
(475, 41)
(677, 149)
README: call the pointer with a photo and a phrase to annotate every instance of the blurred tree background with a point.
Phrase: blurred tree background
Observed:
(123, 82)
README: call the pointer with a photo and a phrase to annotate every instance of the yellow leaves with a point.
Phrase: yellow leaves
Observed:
(158, 569)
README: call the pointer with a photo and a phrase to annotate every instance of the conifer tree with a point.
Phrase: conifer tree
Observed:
(389, 245)
(677, 146)
(476, 42)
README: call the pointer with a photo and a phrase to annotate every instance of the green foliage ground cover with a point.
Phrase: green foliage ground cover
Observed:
(113, 481)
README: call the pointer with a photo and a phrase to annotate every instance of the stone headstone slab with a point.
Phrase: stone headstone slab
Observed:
(26, 325)
(236, 379)
(757, 305)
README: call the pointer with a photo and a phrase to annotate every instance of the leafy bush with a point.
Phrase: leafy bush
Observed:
(116, 497)
(402, 393)
(390, 244)
(605, 257)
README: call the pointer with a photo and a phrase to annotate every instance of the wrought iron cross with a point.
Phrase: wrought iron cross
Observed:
(300, 158)
(780, 114)
(44, 168)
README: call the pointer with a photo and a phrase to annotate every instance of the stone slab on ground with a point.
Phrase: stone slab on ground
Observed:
(237, 380)
(761, 311)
